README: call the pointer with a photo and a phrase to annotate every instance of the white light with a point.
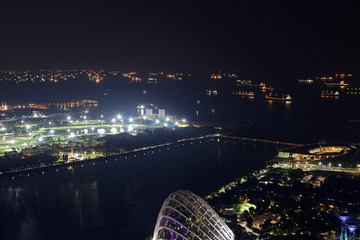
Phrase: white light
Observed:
(167, 119)
(30, 134)
(2, 128)
(68, 130)
(41, 139)
(49, 123)
(68, 118)
(184, 120)
(165, 124)
(52, 131)
(102, 116)
(144, 117)
(157, 121)
(176, 123)
(118, 116)
(25, 144)
(86, 131)
(113, 120)
(122, 130)
(130, 119)
(113, 130)
(130, 128)
(142, 106)
(72, 135)
(12, 141)
(101, 131)
(84, 117)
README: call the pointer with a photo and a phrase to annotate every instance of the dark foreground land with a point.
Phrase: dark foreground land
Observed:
(288, 204)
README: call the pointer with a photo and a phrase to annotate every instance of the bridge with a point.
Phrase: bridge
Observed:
(261, 140)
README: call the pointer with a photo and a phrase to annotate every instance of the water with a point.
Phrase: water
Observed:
(119, 199)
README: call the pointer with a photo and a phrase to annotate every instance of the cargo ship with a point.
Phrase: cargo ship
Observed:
(329, 93)
(285, 98)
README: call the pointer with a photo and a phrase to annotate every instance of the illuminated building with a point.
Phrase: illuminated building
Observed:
(352, 226)
(343, 233)
(185, 215)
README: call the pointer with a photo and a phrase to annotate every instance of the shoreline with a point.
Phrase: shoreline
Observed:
(61, 165)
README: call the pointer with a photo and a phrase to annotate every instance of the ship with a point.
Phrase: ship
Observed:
(340, 84)
(329, 93)
(285, 98)
(244, 94)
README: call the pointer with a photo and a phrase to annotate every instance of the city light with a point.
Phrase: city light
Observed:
(101, 131)
(12, 141)
(130, 128)
(130, 119)
(184, 120)
(72, 135)
(40, 139)
(113, 130)
(113, 120)
(119, 116)
(167, 119)
(52, 131)
(176, 123)
(157, 121)
(122, 130)
(165, 124)
(86, 131)
(68, 118)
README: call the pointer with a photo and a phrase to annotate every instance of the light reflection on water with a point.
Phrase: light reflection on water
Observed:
(119, 199)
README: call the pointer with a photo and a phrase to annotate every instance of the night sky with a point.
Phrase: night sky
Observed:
(177, 35)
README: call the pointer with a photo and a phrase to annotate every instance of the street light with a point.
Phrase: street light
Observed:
(119, 116)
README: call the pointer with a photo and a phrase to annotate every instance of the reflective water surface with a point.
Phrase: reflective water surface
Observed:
(119, 199)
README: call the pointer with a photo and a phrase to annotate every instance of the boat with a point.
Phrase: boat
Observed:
(340, 84)
(328, 93)
(244, 94)
(285, 98)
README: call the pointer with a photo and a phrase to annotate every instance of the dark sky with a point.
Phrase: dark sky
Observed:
(179, 34)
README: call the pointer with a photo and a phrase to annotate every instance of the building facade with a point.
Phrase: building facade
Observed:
(185, 216)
